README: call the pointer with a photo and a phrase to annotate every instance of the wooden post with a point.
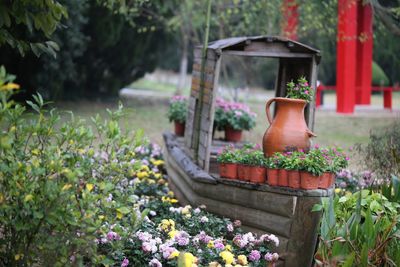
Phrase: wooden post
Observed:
(346, 56)
(365, 44)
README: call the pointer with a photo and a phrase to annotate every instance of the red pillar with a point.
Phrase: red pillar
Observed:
(290, 19)
(364, 53)
(346, 56)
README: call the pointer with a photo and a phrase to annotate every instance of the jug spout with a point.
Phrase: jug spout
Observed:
(310, 133)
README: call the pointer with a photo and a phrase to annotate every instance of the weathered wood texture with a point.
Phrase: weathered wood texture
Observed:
(261, 208)
(202, 102)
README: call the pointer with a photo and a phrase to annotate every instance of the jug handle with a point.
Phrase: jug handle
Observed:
(310, 133)
(269, 102)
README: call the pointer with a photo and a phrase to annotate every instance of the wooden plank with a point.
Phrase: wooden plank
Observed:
(313, 83)
(267, 54)
(211, 55)
(208, 69)
(209, 77)
(208, 85)
(267, 47)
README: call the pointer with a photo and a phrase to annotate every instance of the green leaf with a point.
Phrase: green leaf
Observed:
(349, 260)
(124, 210)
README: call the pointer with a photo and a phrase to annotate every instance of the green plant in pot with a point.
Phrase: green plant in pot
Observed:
(177, 113)
(292, 163)
(227, 160)
(312, 166)
(273, 164)
(256, 161)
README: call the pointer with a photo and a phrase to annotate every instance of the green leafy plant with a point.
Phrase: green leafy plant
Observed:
(292, 160)
(359, 229)
(300, 90)
(276, 161)
(236, 115)
(256, 158)
(177, 109)
(227, 155)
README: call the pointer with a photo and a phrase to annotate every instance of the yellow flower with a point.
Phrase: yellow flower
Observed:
(9, 86)
(170, 200)
(101, 217)
(145, 168)
(189, 259)
(89, 187)
(66, 187)
(28, 197)
(228, 247)
(119, 215)
(214, 264)
(210, 244)
(167, 225)
(227, 256)
(171, 194)
(242, 260)
(338, 190)
(142, 175)
(157, 175)
(172, 234)
(158, 162)
(186, 209)
(18, 256)
(174, 254)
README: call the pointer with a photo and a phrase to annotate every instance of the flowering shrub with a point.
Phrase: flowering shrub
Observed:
(300, 90)
(227, 155)
(236, 115)
(177, 109)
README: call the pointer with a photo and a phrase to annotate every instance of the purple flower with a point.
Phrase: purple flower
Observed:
(125, 262)
(113, 236)
(271, 257)
(306, 92)
(155, 263)
(254, 255)
(204, 219)
(273, 238)
(219, 245)
(203, 237)
(182, 238)
(229, 227)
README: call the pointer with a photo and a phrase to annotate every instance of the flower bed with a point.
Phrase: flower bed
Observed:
(297, 169)
(73, 195)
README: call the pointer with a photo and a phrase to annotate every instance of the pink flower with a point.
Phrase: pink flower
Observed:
(306, 92)
(125, 262)
(255, 255)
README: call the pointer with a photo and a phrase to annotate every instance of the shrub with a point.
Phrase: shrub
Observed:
(359, 229)
(382, 153)
(55, 180)
(177, 109)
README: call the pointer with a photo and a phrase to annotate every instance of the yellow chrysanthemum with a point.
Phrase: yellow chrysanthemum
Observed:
(145, 168)
(210, 244)
(141, 175)
(158, 162)
(9, 86)
(189, 259)
(172, 234)
(338, 190)
(242, 260)
(157, 175)
(227, 256)
(89, 187)
(174, 254)
(186, 209)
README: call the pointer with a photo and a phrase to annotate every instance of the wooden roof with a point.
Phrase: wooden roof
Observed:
(264, 46)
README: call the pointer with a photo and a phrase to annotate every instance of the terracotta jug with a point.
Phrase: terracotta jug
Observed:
(288, 130)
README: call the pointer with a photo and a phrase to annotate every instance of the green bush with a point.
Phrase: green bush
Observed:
(379, 77)
(359, 229)
(178, 109)
(54, 182)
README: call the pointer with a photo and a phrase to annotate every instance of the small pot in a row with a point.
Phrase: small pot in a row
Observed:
(299, 179)
(254, 174)
(276, 177)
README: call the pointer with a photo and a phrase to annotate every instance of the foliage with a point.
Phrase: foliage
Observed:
(300, 90)
(177, 109)
(379, 77)
(256, 158)
(99, 54)
(227, 155)
(27, 18)
(381, 154)
(359, 229)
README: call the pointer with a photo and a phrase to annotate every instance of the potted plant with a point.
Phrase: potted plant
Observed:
(227, 160)
(257, 166)
(336, 161)
(238, 118)
(312, 167)
(282, 171)
(292, 164)
(273, 164)
(177, 113)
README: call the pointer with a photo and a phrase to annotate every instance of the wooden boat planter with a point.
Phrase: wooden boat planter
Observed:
(191, 160)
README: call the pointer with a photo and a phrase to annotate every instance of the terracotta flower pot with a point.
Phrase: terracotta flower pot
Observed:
(283, 177)
(288, 128)
(294, 179)
(222, 169)
(324, 180)
(247, 172)
(257, 174)
(241, 175)
(232, 135)
(308, 181)
(179, 128)
(229, 170)
(272, 176)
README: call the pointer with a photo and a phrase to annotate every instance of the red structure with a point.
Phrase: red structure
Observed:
(354, 50)
(290, 19)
